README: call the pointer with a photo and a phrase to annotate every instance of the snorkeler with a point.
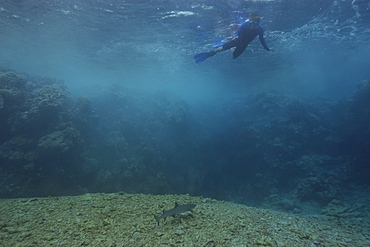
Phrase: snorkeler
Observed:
(245, 34)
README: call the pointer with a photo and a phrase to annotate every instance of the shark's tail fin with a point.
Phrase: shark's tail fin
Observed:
(157, 218)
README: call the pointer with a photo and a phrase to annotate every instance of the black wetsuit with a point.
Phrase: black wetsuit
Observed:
(245, 35)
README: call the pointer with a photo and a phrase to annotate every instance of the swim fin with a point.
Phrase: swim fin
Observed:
(203, 56)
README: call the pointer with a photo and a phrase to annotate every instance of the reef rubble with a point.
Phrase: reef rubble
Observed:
(122, 219)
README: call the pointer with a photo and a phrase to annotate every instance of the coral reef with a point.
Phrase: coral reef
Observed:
(319, 188)
(59, 142)
(339, 209)
(354, 130)
(265, 149)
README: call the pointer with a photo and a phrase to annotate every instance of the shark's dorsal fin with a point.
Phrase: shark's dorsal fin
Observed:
(176, 204)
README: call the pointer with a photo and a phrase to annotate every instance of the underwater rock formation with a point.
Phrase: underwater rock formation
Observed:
(176, 113)
(59, 142)
(35, 121)
(265, 148)
(354, 130)
(339, 209)
(12, 96)
(319, 188)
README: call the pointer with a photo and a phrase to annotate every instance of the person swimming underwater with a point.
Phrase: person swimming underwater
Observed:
(245, 34)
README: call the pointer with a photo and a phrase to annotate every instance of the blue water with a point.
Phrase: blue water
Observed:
(143, 51)
(322, 47)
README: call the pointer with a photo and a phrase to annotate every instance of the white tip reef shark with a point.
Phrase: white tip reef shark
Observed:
(178, 209)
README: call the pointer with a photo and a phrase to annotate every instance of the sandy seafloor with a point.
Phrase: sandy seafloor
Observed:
(121, 219)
